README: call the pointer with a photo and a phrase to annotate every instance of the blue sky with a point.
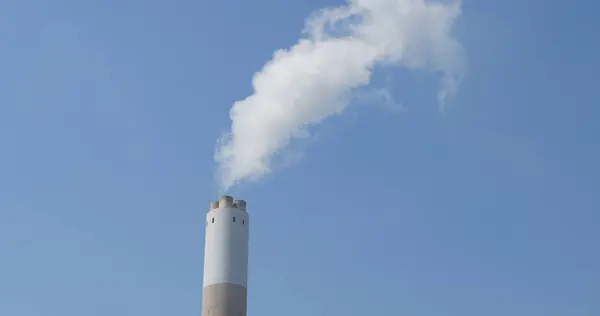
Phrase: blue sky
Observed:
(109, 114)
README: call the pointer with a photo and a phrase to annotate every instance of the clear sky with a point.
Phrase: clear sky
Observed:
(109, 116)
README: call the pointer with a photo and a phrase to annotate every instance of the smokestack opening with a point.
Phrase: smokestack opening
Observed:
(225, 201)
(240, 204)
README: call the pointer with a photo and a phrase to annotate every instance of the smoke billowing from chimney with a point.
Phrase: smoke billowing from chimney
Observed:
(305, 84)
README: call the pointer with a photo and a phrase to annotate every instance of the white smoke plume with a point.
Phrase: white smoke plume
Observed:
(312, 80)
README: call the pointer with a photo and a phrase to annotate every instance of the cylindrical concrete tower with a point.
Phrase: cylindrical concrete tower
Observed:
(226, 259)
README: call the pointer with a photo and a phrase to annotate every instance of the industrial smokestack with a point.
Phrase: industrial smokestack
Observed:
(224, 290)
